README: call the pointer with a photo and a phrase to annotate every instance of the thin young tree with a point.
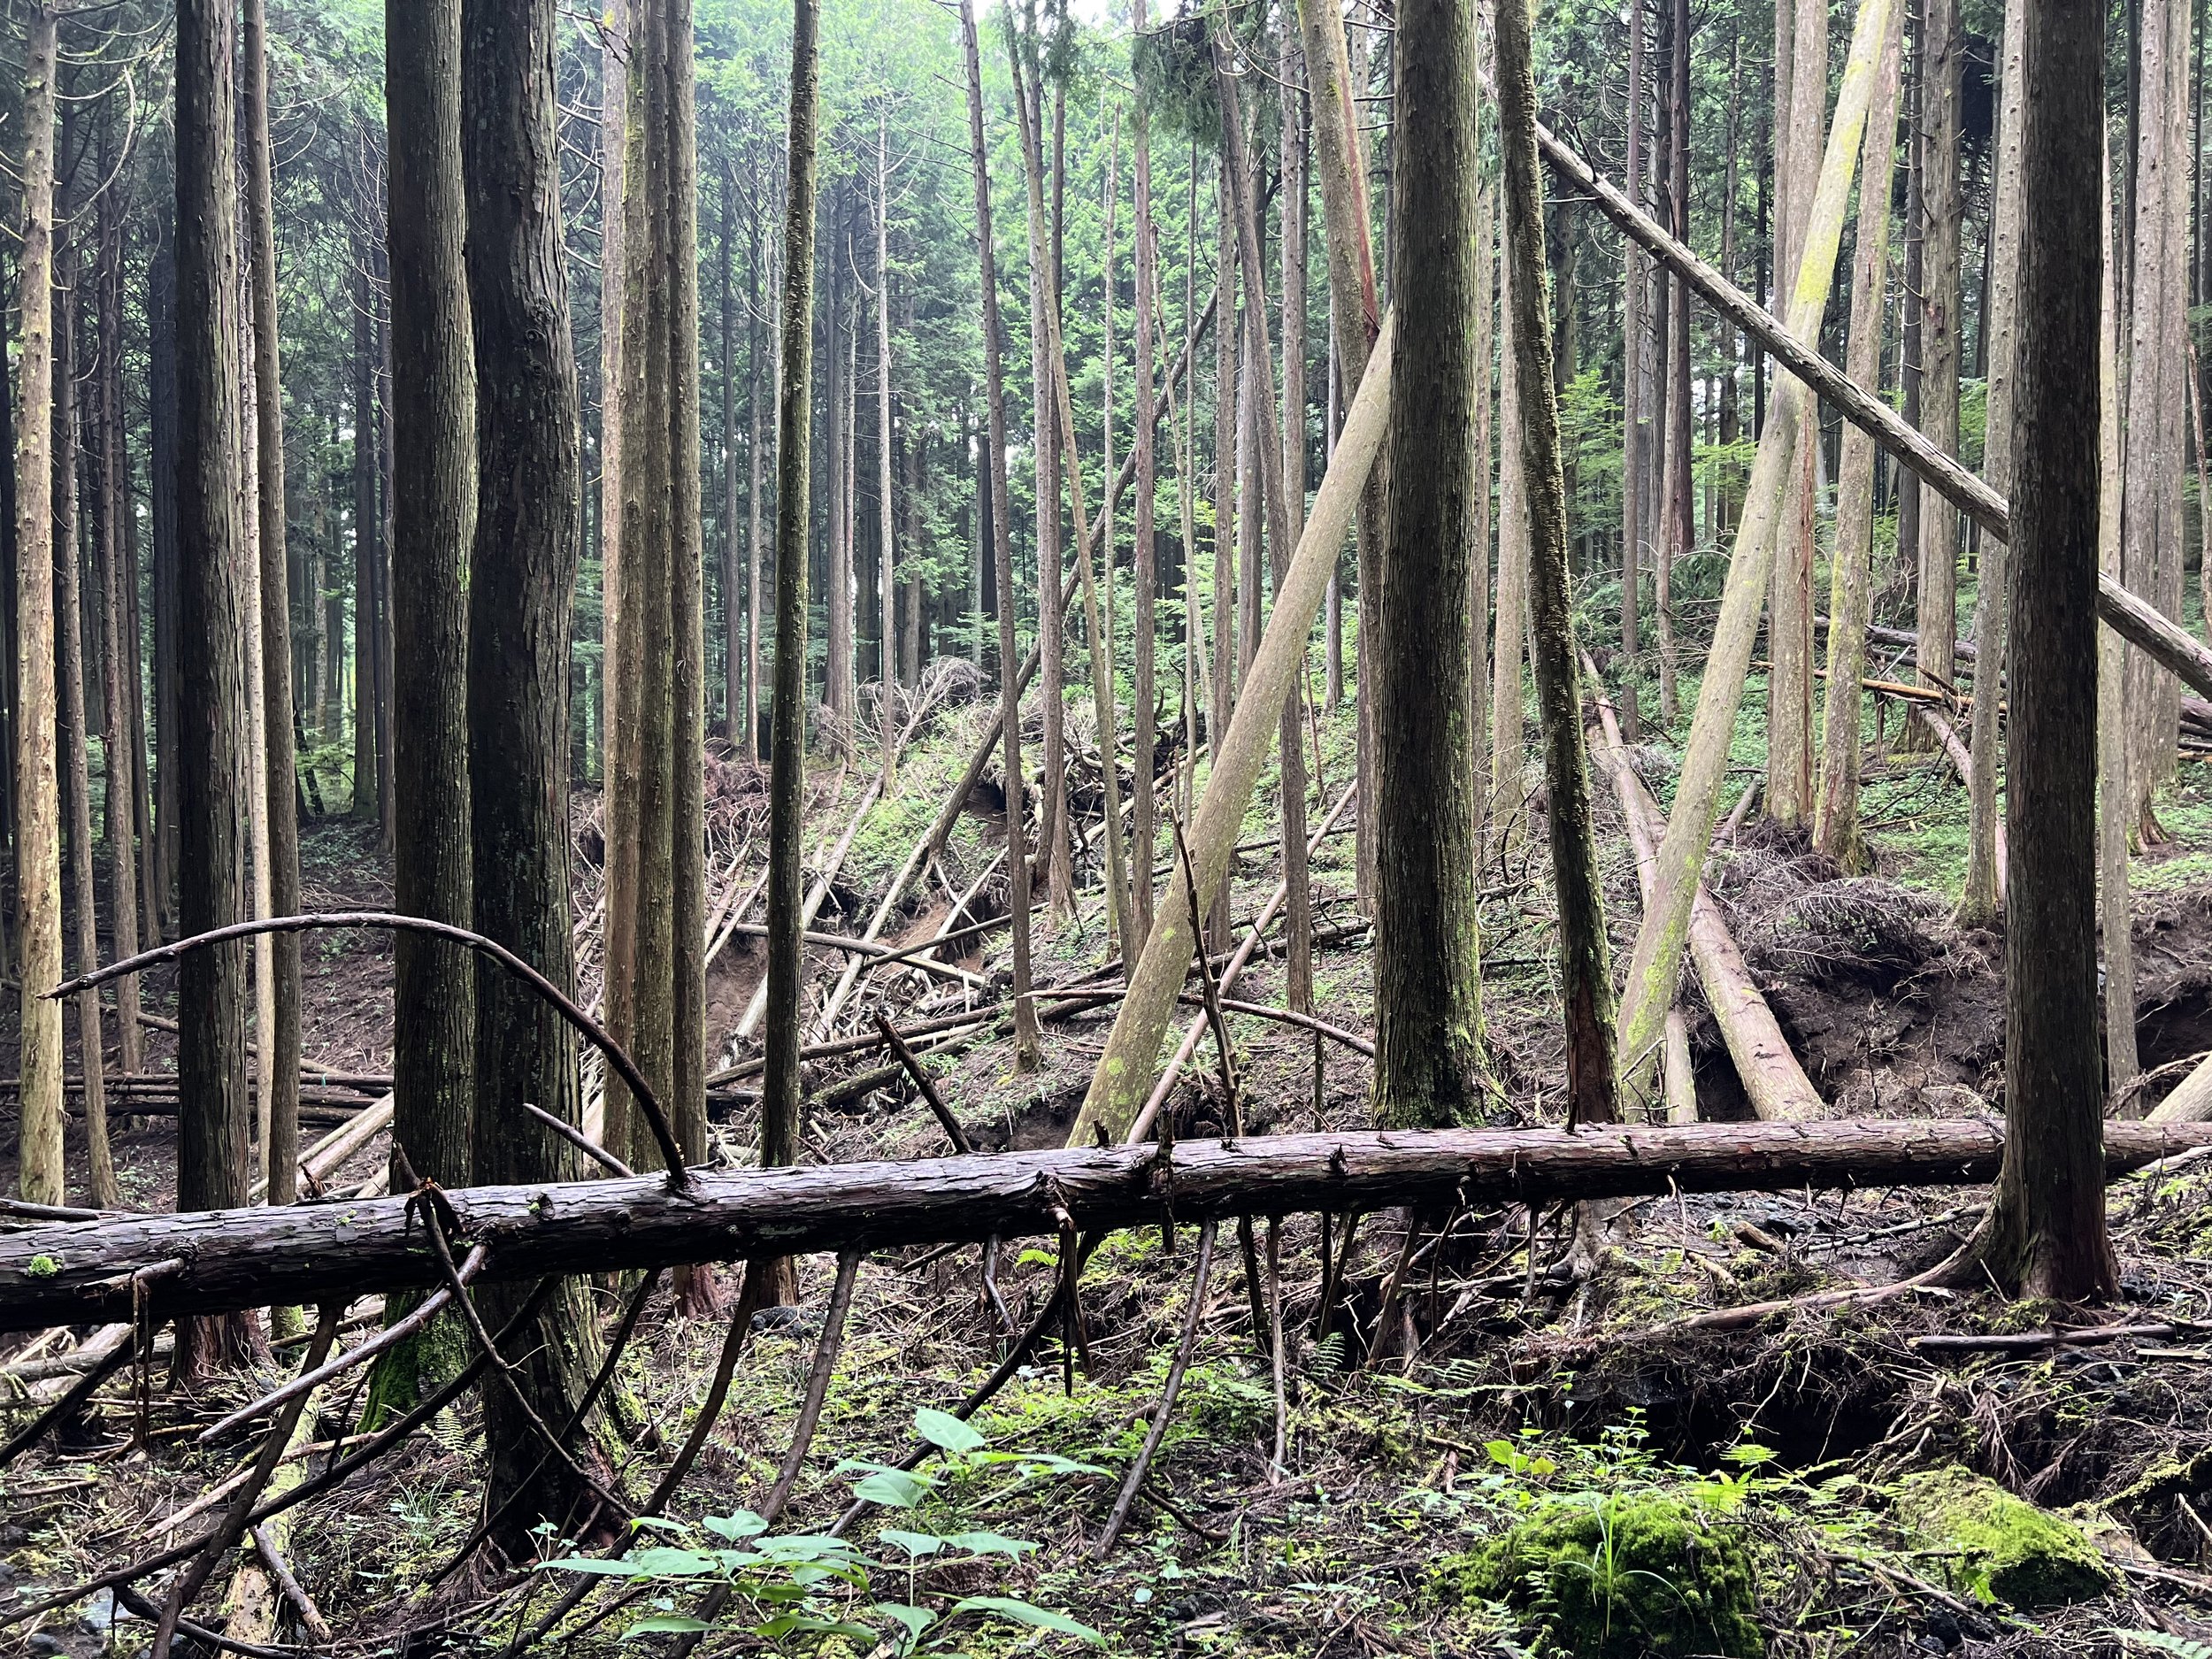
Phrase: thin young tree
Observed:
(1144, 807)
(1586, 969)
(432, 437)
(1984, 895)
(2045, 1234)
(368, 548)
(780, 1119)
(280, 1041)
(1431, 1070)
(1943, 207)
(1355, 315)
(37, 798)
(524, 554)
(887, 564)
(214, 1112)
(1836, 813)
(737, 686)
(1017, 861)
(1634, 423)
(71, 729)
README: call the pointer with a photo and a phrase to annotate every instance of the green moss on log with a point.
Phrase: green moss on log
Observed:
(1619, 1579)
(1998, 1547)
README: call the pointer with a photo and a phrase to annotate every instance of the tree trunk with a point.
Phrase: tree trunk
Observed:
(1656, 968)
(71, 732)
(1584, 963)
(119, 682)
(366, 551)
(1044, 291)
(312, 1251)
(164, 422)
(278, 1044)
(1984, 894)
(756, 336)
(1144, 809)
(2045, 1232)
(212, 621)
(887, 564)
(1431, 1070)
(432, 416)
(522, 570)
(38, 811)
(1789, 788)
(736, 683)
(1943, 208)
(1632, 428)
(1677, 533)
(1357, 315)
(2115, 815)
(1509, 629)
(1836, 819)
(1298, 911)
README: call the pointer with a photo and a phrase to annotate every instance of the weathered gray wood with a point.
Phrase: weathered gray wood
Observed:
(77, 1272)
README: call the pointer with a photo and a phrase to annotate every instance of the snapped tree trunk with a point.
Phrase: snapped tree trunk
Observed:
(1585, 963)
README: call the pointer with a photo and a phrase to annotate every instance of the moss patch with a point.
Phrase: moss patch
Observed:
(1614, 1579)
(1998, 1547)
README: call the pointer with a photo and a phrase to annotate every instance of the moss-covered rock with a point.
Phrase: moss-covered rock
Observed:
(1998, 1547)
(1618, 1579)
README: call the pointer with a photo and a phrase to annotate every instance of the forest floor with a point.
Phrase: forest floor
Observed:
(1728, 1491)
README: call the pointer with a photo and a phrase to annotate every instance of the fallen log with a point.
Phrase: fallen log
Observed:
(1773, 1080)
(2135, 618)
(74, 1272)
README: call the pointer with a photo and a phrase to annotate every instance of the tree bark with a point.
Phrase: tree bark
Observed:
(243, 1257)
(1584, 963)
(41, 1176)
(367, 550)
(1632, 423)
(1431, 1069)
(72, 732)
(1357, 315)
(886, 563)
(1983, 896)
(2046, 1232)
(1943, 208)
(1144, 809)
(2115, 818)
(527, 545)
(278, 1043)
(1507, 820)
(1836, 817)
(432, 416)
(212, 620)
(118, 684)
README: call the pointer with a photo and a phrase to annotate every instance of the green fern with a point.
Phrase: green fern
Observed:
(2159, 1642)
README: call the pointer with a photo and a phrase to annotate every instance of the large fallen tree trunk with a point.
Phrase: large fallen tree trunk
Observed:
(2136, 619)
(73, 1273)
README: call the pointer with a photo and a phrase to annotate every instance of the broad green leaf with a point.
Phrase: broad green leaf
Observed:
(946, 1431)
(1023, 1613)
(913, 1543)
(894, 1487)
(663, 1563)
(743, 1524)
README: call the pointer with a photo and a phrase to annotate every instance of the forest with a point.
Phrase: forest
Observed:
(1323, 827)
